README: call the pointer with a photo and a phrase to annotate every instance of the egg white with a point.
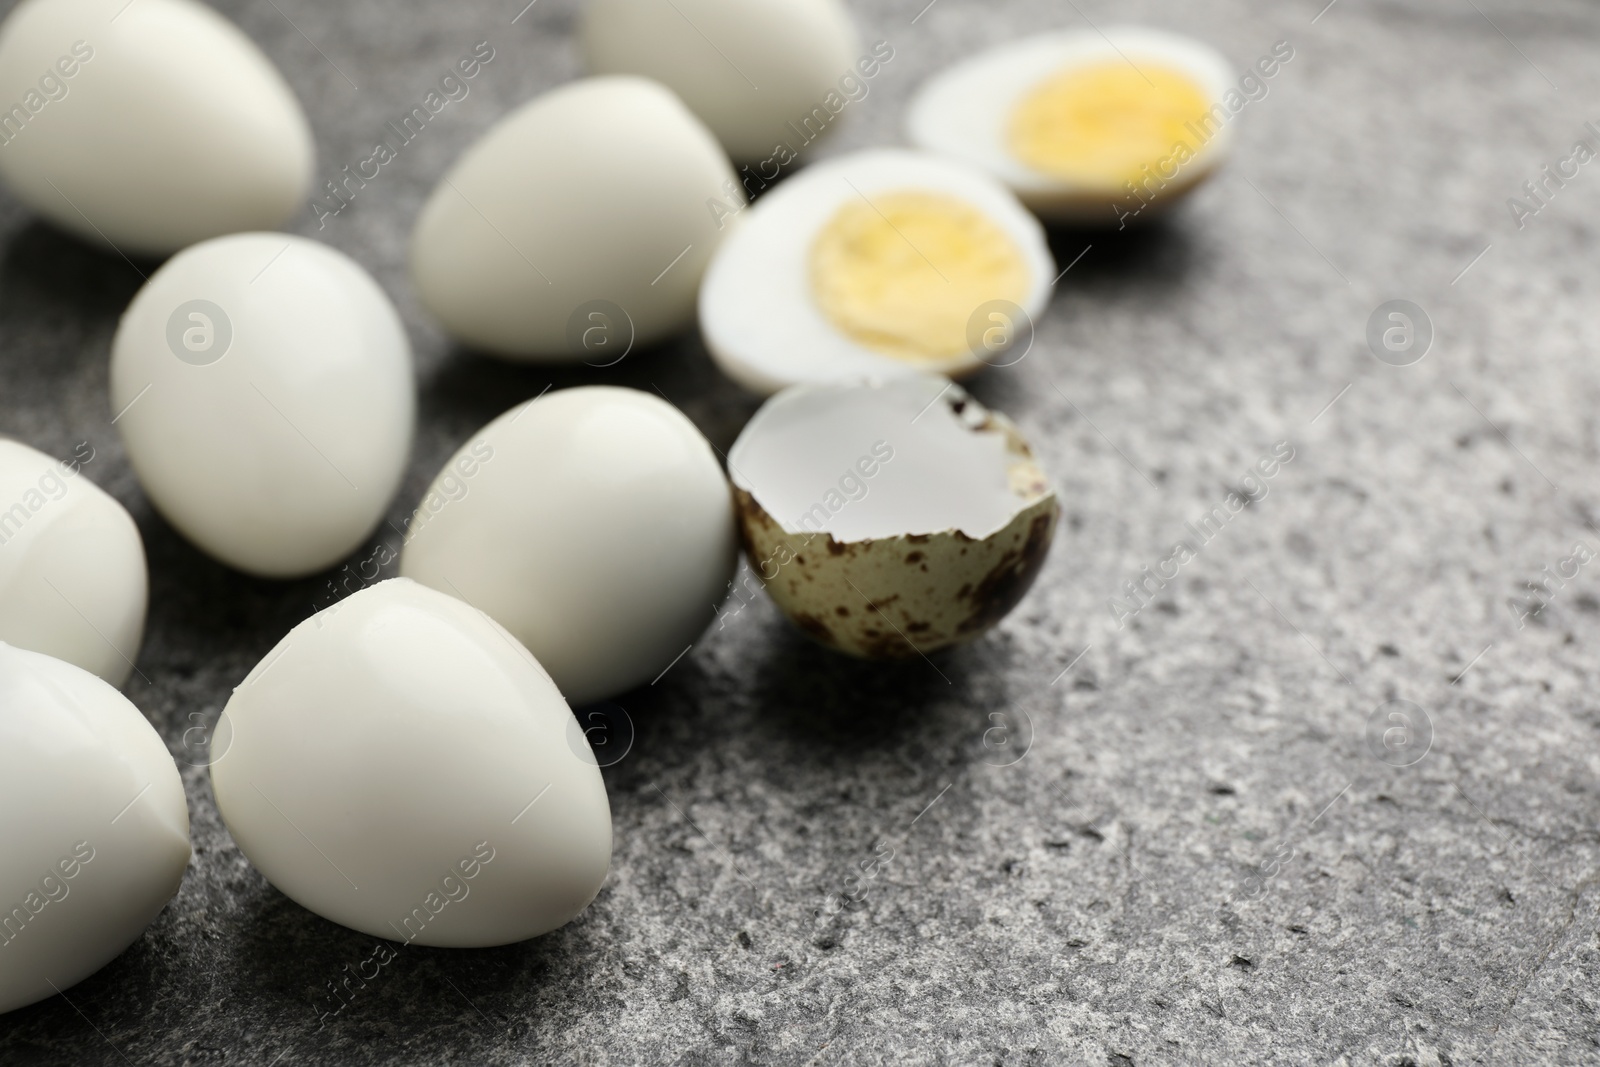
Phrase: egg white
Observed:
(965, 111)
(758, 315)
(758, 67)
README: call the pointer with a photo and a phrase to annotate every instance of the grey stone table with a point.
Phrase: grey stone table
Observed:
(1199, 855)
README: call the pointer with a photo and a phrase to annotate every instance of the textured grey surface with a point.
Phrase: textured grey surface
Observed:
(1198, 859)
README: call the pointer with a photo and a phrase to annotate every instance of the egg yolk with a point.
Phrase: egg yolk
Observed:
(904, 272)
(1102, 124)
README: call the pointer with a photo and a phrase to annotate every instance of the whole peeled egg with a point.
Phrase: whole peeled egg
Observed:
(147, 126)
(93, 820)
(449, 797)
(577, 227)
(263, 387)
(759, 73)
(73, 579)
(593, 523)
(1084, 126)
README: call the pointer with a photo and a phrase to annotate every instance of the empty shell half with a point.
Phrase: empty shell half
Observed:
(890, 518)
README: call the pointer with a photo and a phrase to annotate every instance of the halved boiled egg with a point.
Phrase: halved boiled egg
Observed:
(877, 263)
(890, 518)
(1084, 126)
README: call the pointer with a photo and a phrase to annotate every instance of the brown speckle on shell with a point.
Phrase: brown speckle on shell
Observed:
(1003, 586)
(814, 626)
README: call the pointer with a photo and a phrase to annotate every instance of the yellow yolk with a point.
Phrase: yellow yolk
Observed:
(904, 273)
(1102, 124)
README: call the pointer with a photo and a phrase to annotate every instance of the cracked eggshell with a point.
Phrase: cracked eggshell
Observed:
(73, 578)
(94, 829)
(147, 126)
(400, 765)
(594, 523)
(890, 518)
(263, 386)
(747, 69)
(590, 199)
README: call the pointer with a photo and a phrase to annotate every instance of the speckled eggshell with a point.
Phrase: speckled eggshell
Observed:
(897, 597)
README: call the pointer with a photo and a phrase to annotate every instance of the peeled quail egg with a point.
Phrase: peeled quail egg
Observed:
(263, 387)
(889, 519)
(876, 263)
(93, 820)
(759, 75)
(1084, 126)
(593, 523)
(73, 581)
(147, 126)
(449, 797)
(577, 227)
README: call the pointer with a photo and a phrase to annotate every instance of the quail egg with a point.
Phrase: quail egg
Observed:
(776, 72)
(93, 820)
(577, 227)
(1085, 127)
(876, 263)
(593, 523)
(448, 799)
(147, 126)
(263, 387)
(73, 580)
